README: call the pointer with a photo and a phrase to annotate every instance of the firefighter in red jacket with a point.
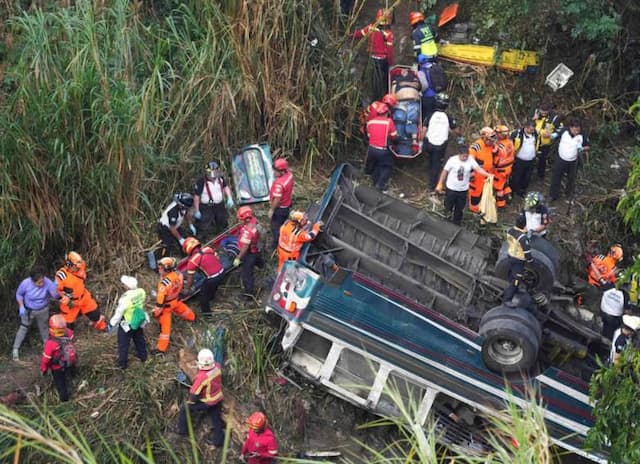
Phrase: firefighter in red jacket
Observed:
(261, 446)
(380, 131)
(482, 151)
(55, 357)
(380, 50)
(249, 256)
(205, 395)
(293, 234)
(205, 261)
(502, 165)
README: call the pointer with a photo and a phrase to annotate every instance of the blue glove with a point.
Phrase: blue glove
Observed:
(109, 327)
(23, 311)
(197, 215)
(230, 203)
(181, 241)
(192, 228)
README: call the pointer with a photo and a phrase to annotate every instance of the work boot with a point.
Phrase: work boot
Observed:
(15, 354)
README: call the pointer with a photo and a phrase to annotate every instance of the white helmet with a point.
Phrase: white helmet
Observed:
(130, 282)
(205, 359)
(633, 322)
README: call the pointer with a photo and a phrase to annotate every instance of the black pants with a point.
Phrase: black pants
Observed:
(610, 324)
(60, 382)
(280, 215)
(379, 165)
(124, 340)
(455, 201)
(208, 292)
(516, 272)
(346, 6)
(379, 78)
(214, 415)
(436, 155)
(428, 107)
(170, 245)
(543, 155)
(560, 168)
(247, 272)
(521, 176)
(214, 219)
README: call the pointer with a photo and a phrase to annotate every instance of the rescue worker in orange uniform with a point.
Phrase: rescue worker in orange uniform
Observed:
(261, 446)
(482, 151)
(380, 49)
(293, 234)
(169, 288)
(602, 269)
(249, 256)
(502, 166)
(74, 297)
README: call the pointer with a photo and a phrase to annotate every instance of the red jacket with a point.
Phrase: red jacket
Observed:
(249, 235)
(282, 187)
(263, 444)
(379, 129)
(207, 386)
(50, 348)
(380, 41)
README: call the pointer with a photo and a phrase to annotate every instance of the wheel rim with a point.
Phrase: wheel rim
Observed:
(506, 351)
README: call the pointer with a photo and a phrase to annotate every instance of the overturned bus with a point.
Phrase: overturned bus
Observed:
(391, 297)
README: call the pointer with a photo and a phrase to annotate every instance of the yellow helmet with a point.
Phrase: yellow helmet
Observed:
(167, 264)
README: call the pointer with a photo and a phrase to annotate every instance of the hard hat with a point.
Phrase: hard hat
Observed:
(57, 325)
(244, 213)
(281, 164)
(167, 264)
(296, 215)
(205, 359)
(415, 17)
(487, 132)
(382, 17)
(73, 259)
(212, 165)
(616, 252)
(190, 244)
(129, 281)
(422, 59)
(442, 100)
(184, 199)
(633, 322)
(390, 100)
(533, 199)
(257, 421)
(381, 108)
(501, 129)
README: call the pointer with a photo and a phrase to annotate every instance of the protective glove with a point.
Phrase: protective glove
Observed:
(23, 311)
(230, 203)
(192, 228)
(181, 241)
(236, 262)
(197, 215)
(109, 328)
(320, 226)
(529, 233)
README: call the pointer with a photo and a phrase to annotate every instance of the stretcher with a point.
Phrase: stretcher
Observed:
(485, 55)
(407, 116)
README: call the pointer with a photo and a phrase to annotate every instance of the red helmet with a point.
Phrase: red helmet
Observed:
(415, 17)
(257, 421)
(190, 243)
(244, 212)
(167, 264)
(381, 108)
(382, 17)
(390, 99)
(57, 325)
(281, 164)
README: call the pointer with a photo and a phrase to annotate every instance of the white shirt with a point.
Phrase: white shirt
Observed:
(459, 172)
(612, 302)
(569, 146)
(527, 150)
(215, 188)
(438, 128)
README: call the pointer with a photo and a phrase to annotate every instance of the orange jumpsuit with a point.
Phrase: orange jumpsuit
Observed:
(483, 154)
(602, 270)
(169, 289)
(76, 299)
(292, 237)
(502, 166)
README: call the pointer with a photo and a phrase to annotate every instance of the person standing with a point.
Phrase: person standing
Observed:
(525, 142)
(536, 214)
(261, 446)
(130, 318)
(59, 355)
(612, 305)
(295, 233)
(280, 198)
(439, 125)
(424, 41)
(456, 176)
(572, 145)
(623, 337)
(380, 131)
(482, 151)
(170, 223)
(519, 251)
(209, 204)
(168, 302)
(205, 395)
(249, 256)
(75, 298)
(380, 48)
(502, 166)
(547, 124)
(33, 295)
(204, 260)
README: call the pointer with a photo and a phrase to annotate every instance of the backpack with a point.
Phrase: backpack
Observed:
(436, 77)
(65, 355)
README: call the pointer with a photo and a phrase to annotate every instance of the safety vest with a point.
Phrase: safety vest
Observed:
(208, 385)
(424, 42)
(135, 301)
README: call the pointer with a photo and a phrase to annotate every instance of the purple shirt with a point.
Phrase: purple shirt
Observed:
(34, 297)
